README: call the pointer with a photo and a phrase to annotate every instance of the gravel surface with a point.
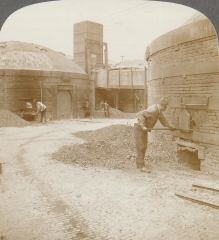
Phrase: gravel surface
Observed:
(9, 119)
(45, 199)
(111, 147)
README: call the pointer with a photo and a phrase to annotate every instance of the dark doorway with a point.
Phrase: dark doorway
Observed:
(189, 159)
(64, 105)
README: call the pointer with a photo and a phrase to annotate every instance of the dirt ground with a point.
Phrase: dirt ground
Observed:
(50, 191)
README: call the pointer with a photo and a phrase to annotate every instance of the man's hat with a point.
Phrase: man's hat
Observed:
(163, 101)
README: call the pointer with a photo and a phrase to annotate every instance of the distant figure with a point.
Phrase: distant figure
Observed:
(42, 109)
(101, 105)
(106, 109)
(87, 109)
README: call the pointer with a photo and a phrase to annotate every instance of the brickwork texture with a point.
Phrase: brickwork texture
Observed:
(186, 70)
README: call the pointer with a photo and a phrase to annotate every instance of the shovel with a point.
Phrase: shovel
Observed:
(166, 128)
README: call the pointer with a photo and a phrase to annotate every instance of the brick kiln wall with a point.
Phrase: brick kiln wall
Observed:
(198, 84)
(200, 50)
(15, 84)
(207, 120)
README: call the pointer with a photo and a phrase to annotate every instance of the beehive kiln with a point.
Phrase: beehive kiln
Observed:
(29, 71)
(184, 68)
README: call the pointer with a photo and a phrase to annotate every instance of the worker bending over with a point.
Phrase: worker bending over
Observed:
(42, 109)
(147, 119)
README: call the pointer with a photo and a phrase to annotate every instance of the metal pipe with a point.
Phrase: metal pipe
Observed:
(41, 93)
(106, 53)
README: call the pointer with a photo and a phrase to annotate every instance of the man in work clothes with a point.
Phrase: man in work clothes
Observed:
(147, 119)
(106, 109)
(42, 109)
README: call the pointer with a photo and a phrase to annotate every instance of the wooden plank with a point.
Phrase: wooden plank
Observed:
(205, 187)
(209, 204)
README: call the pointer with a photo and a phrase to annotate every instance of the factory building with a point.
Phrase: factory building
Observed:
(66, 87)
(183, 66)
(123, 87)
(29, 71)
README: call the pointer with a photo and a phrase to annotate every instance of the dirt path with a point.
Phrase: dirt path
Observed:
(46, 199)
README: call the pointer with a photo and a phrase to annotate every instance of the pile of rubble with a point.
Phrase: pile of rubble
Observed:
(113, 113)
(9, 119)
(112, 147)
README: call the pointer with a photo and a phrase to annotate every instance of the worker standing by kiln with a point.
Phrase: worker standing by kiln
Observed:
(147, 120)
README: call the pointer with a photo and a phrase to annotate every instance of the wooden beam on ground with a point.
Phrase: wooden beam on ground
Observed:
(205, 187)
(213, 205)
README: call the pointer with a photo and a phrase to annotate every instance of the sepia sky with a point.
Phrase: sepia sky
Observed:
(129, 25)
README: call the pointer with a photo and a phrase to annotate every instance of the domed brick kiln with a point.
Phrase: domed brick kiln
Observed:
(29, 71)
(184, 68)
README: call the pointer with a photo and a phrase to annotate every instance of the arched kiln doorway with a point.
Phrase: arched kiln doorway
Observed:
(64, 104)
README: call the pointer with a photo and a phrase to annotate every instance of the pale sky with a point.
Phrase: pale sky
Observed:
(129, 25)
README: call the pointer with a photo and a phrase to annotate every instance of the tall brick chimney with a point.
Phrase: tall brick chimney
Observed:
(88, 45)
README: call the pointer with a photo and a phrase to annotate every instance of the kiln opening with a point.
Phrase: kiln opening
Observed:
(189, 158)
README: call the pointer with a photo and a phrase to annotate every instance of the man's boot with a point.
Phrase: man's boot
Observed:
(142, 167)
(145, 169)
